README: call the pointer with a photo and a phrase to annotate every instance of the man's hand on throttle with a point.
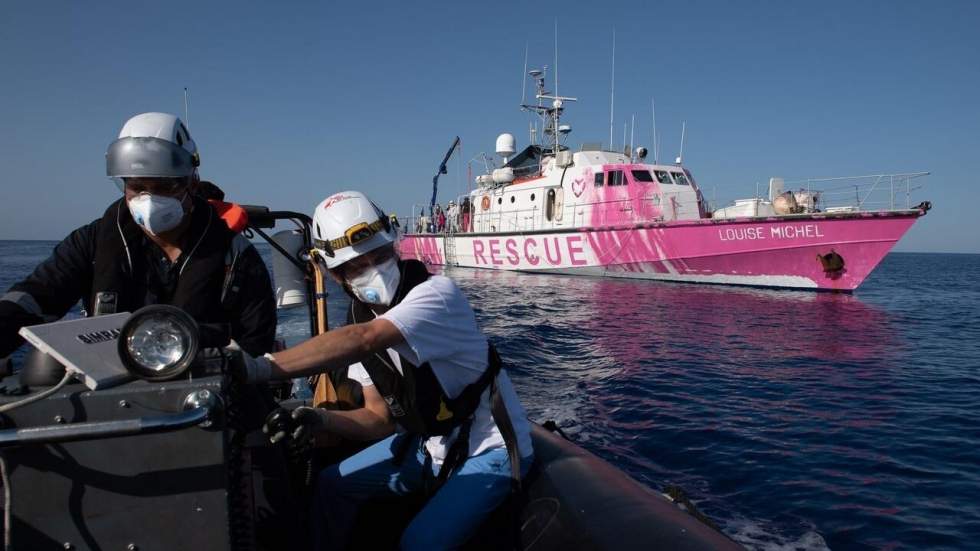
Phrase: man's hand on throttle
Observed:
(309, 421)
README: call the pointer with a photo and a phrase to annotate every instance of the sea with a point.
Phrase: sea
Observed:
(795, 420)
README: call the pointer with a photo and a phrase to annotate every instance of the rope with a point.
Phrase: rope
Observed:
(7, 502)
(7, 498)
(40, 395)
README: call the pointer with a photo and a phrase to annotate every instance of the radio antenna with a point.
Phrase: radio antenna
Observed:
(187, 119)
(659, 144)
(556, 58)
(612, 91)
(524, 77)
(680, 157)
(653, 109)
(632, 128)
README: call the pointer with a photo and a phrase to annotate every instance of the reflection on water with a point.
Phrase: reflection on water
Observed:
(786, 414)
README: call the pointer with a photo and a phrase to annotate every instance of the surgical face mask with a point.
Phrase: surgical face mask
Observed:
(157, 213)
(377, 284)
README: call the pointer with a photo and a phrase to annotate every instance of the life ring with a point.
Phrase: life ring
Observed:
(485, 203)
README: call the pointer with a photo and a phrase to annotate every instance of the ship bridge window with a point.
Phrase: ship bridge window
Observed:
(598, 179)
(663, 177)
(680, 179)
(616, 178)
(642, 176)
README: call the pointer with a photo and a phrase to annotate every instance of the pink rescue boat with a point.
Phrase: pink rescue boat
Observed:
(609, 213)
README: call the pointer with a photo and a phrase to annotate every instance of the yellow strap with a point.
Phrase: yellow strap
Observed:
(444, 412)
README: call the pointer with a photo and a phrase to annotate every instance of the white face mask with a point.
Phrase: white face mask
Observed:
(377, 284)
(156, 213)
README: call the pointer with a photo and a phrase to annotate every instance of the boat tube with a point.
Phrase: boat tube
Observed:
(574, 500)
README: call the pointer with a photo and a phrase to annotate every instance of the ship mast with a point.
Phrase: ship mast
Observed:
(550, 113)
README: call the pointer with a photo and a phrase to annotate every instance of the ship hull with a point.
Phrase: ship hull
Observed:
(784, 252)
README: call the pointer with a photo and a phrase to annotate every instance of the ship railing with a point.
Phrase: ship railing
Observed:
(873, 192)
(577, 215)
(574, 215)
(876, 192)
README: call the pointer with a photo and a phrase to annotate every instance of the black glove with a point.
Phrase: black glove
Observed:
(298, 426)
(247, 368)
(278, 425)
(12, 318)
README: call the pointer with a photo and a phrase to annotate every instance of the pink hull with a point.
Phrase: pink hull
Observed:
(771, 252)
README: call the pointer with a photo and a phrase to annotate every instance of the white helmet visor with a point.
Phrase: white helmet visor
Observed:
(143, 157)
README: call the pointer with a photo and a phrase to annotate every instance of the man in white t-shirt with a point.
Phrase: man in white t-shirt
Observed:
(426, 369)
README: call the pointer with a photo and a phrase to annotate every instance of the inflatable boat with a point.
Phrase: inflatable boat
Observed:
(97, 454)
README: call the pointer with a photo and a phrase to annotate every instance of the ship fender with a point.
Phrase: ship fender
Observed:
(574, 500)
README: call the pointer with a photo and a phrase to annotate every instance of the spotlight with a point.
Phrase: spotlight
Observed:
(159, 342)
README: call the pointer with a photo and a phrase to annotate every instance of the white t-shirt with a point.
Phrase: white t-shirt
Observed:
(440, 328)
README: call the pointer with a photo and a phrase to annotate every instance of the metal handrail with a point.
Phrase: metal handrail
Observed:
(50, 434)
(877, 192)
(872, 192)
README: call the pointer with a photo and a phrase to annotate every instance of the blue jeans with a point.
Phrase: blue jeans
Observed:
(448, 519)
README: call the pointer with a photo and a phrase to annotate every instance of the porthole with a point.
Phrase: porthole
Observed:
(532, 197)
(500, 200)
(512, 198)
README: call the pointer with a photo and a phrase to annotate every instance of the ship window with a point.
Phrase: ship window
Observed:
(663, 177)
(500, 200)
(598, 179)
(642, 176)
(532, 197)
(680, 179)
(512, 198)
(616, 178)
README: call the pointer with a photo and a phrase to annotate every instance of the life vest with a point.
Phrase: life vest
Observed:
(121, 275)
(416, 399)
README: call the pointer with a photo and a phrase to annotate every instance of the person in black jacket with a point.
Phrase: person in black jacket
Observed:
(161, 243)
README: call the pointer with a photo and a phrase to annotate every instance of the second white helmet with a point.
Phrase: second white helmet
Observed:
(348, 224)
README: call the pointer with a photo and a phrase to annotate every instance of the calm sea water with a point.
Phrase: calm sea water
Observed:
(796, 420)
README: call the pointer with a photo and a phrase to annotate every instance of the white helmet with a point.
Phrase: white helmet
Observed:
(152, 145)
(347, 225)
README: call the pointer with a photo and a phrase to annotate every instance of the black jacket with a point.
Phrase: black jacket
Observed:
(68, 276)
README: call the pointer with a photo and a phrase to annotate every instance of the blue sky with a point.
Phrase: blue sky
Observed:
(291, 102)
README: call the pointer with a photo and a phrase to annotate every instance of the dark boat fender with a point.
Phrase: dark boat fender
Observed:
(574, 500)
